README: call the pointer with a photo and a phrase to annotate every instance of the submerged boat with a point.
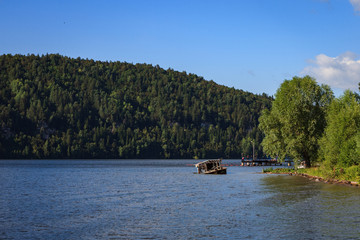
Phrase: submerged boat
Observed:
(210, 167)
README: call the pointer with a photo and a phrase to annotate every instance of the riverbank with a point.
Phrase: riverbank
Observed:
(316, 174)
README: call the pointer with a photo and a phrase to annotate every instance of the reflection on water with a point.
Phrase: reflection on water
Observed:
(313, 210)
(289, 191)
(162, 199)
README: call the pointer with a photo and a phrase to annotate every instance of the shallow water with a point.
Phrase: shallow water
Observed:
(163, 199)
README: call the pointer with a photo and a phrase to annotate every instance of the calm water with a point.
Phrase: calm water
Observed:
(162, 199)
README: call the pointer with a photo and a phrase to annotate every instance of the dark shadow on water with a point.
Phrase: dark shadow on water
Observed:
(288, 190)
(311, 210)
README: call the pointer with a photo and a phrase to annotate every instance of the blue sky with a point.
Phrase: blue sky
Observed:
(252, 45)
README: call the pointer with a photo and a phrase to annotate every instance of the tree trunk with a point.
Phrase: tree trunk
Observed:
(307, 160)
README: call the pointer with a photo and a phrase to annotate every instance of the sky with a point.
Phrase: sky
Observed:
(253, 45)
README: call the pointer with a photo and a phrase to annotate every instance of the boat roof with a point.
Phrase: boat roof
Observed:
(207, 161)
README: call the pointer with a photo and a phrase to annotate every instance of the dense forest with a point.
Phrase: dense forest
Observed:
(53, 106)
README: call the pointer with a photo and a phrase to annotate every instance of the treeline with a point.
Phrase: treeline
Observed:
(53, 106)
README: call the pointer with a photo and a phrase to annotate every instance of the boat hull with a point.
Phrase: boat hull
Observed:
(217, 171)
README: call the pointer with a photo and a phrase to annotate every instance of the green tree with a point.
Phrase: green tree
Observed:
(340, 145)
(296, 120)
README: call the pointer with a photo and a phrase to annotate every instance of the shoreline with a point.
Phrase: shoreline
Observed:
(318, 179)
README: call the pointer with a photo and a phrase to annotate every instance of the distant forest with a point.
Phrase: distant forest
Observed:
(53, 106)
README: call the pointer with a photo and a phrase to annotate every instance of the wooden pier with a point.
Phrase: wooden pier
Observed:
(206, 166)
(264, 162)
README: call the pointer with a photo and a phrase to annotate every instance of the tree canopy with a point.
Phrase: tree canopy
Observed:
(53, 106)
(340, 145)
(296, 120)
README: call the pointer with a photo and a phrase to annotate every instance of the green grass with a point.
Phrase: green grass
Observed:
(348, 174)
(267, 170)
(337, 173)
(278, 170)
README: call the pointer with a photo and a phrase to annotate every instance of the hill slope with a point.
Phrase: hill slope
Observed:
(58, 107)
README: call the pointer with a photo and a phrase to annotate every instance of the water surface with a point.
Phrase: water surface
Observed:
(163, 199)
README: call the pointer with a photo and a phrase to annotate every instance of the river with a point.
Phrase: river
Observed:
(163, 199)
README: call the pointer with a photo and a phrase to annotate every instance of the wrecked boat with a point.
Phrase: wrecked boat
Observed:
(210, 167)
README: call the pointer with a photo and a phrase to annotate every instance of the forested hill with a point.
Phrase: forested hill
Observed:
(53, 106)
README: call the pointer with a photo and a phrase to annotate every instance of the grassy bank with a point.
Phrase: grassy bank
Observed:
(278, 170)
(350, 175)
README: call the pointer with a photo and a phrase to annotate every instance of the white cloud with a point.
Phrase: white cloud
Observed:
(338, 72)
(356, 4)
